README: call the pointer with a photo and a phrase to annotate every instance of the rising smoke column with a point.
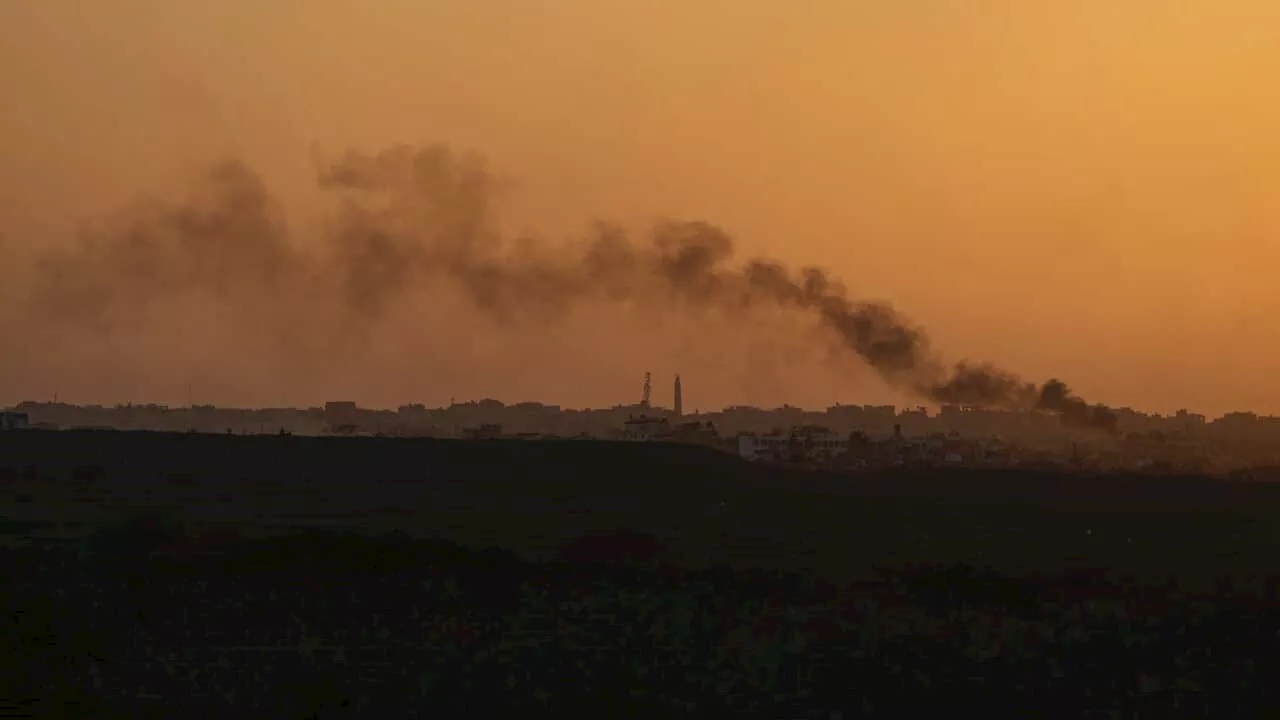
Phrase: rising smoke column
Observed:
(407, 217)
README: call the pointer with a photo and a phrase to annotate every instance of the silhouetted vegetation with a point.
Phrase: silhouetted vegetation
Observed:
(620, 580)
(329, 623)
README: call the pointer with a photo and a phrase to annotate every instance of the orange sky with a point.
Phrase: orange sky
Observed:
(1085, 189)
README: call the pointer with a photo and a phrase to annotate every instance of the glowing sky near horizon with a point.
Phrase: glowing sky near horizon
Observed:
(1087, 189)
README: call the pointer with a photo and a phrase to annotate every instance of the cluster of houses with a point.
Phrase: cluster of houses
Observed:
(817, 445)
(645, 428)
(866, 439)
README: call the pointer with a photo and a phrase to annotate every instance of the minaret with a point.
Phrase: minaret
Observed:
(644, 392)
(679, 401)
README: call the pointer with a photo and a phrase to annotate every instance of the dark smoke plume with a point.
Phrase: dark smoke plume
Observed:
(409, 217)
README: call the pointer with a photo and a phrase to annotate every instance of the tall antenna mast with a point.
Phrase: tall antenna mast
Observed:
(647, 390)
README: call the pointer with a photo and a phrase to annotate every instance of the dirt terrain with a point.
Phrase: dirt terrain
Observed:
(705, 506)
(377, 577)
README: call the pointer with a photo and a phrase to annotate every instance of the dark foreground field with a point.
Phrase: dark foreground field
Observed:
(152, 575)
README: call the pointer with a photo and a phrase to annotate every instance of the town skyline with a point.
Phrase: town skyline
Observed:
(657, 405)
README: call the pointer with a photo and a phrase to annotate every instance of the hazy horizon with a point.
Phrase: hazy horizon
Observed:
(663, 405)
(1087, 193)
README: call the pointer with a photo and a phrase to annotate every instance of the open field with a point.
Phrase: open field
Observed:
(705, 506)
(319, 626)
(633, 579)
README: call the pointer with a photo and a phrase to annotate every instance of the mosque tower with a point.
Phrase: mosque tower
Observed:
(679, 400)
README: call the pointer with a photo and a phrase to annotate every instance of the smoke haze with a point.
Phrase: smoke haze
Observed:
(411, 227)
(1082, 190)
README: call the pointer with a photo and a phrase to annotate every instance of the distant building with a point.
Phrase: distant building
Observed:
(342, 417)
(645, 429)
(14, 421)
(484, 431)
(678, 405)
(763, 447)
(697, 433)
(806, 442)
(819, 443)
